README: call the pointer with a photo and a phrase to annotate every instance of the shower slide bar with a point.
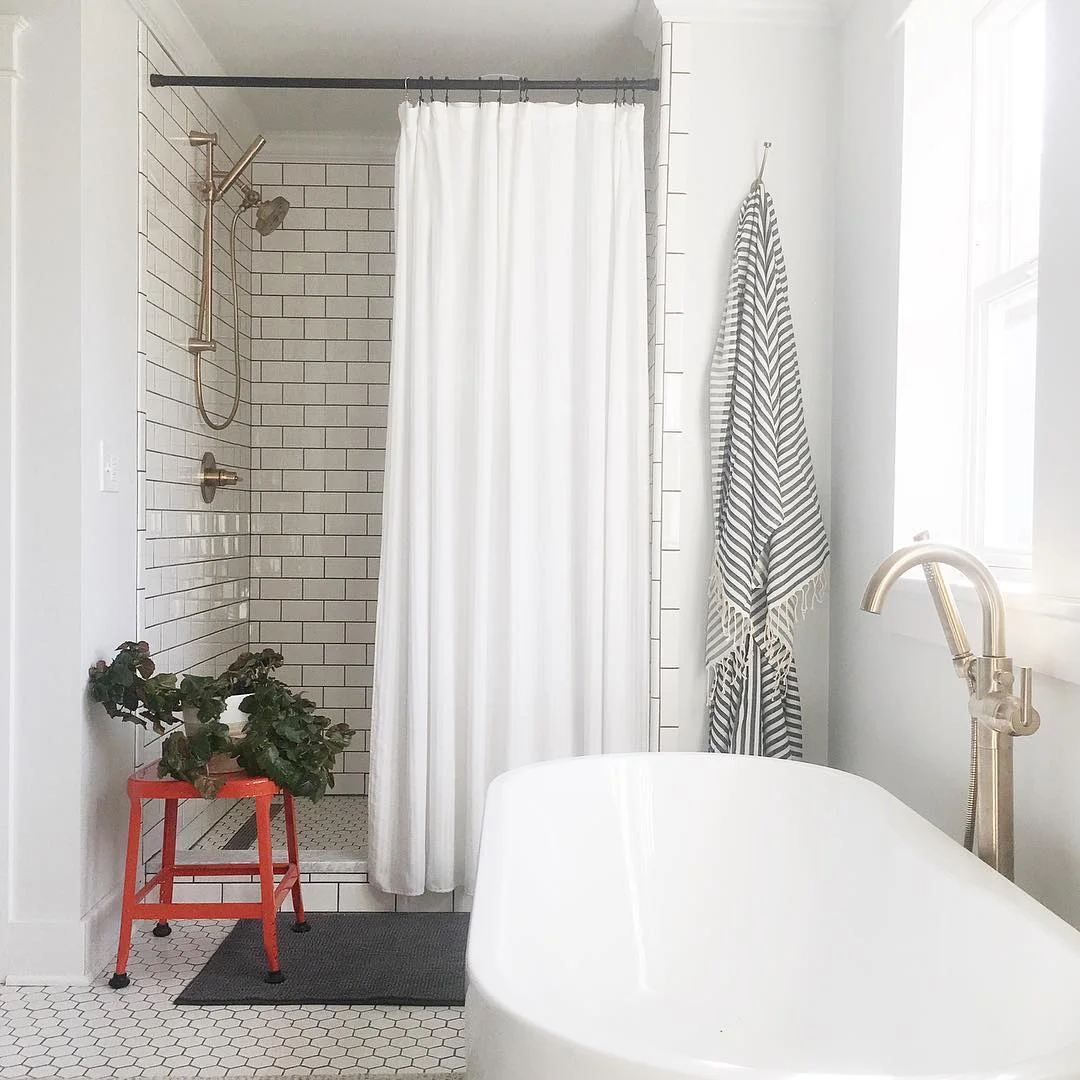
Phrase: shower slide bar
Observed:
(288, 82)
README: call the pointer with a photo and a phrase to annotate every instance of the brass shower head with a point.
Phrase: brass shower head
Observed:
(270, 215)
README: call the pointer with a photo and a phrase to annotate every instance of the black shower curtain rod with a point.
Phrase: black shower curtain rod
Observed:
(289, 82)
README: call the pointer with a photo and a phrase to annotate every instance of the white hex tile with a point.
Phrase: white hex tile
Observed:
(137, 1032)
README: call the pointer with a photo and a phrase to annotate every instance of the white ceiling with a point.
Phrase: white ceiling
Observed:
(392, 38)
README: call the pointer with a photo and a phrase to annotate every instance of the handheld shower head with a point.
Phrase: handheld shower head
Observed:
(270, 215)
(242, 163)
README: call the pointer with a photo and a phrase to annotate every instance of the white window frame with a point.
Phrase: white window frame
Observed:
(1016, 564)
(947, 280)
(1044, 603)
(1007, 279)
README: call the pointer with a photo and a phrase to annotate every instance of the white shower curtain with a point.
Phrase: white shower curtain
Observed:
(512, 620)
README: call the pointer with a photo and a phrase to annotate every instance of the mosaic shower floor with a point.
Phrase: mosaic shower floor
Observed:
(335, 823)
(95, 1033)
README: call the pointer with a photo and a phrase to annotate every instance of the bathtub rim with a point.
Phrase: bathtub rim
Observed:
(1063, 1064)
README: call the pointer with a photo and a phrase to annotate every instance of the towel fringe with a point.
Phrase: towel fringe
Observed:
(730, 626)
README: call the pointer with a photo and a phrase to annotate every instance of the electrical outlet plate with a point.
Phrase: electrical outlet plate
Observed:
(110, 468)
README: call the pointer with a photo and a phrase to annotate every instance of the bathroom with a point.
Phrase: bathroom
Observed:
(107, 537)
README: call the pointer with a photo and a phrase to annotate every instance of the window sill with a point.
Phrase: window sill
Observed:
(1041, 631)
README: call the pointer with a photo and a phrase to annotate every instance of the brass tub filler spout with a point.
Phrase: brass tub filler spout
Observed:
(997, 714)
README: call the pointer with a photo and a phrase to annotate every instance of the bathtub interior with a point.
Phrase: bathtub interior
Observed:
(763, 913)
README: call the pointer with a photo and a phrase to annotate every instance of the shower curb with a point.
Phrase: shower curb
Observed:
(164, 1074)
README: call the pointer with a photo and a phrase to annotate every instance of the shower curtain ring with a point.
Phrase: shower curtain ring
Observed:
(577, 100)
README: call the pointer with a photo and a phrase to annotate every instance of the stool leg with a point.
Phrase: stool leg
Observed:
(168, 864)
(266, 881)
(301, 925)
(120, 978)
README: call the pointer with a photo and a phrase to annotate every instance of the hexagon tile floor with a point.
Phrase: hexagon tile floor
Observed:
(336, 823)
(94, 1032)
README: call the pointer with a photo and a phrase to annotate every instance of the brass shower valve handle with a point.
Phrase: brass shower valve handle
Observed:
(220, 477)
(212, 477)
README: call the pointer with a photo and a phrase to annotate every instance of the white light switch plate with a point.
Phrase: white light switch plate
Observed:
(110, 468)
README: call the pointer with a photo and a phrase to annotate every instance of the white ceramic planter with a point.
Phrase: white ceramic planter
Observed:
(234, 718)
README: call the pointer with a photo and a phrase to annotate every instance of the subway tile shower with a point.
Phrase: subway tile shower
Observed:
(194, 572)
(323, 288)
(290, 557)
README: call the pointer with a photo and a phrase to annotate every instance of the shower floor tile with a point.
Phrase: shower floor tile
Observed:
(335, 823)
(96, 1033)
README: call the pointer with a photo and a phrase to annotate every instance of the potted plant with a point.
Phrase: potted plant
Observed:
(244, 719)
(209, 698)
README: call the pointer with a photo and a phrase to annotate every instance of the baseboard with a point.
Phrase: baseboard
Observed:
(47, 954)
(102, 926)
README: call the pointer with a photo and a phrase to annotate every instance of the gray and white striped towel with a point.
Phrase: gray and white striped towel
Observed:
(770, 562)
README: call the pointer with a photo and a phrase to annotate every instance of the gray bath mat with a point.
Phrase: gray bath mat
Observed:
(413, 958)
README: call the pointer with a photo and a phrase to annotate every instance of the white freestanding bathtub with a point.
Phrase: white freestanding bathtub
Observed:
(686, 915)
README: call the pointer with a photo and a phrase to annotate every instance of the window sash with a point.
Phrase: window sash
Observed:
(1018, 284)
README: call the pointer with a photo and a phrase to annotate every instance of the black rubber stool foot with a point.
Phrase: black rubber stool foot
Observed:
(301, 927)
(274, 977)
(118, 981)
(163, 929)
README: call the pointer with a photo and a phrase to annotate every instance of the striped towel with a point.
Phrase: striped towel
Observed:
(770, 563)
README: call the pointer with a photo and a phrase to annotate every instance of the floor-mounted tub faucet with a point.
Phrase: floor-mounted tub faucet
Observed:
(996, 712)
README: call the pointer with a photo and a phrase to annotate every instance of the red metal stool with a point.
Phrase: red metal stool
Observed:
(145, 783)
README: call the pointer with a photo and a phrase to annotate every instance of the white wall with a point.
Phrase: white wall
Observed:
(897, 713)
(727, 109)
(10, 28)
(73, 551)
(109, 176)
(48, 666)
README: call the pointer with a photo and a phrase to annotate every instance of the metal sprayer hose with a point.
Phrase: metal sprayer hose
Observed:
(973, 772)
(973, 788)
(236, 340)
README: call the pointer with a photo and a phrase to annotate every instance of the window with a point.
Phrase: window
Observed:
(973, 119)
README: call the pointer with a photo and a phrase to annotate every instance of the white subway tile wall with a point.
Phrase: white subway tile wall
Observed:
(194, 559)
(335, 891)
(667, 239)
(652, 161)
(323, 299)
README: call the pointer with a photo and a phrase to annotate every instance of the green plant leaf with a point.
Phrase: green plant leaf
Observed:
(284, 737)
